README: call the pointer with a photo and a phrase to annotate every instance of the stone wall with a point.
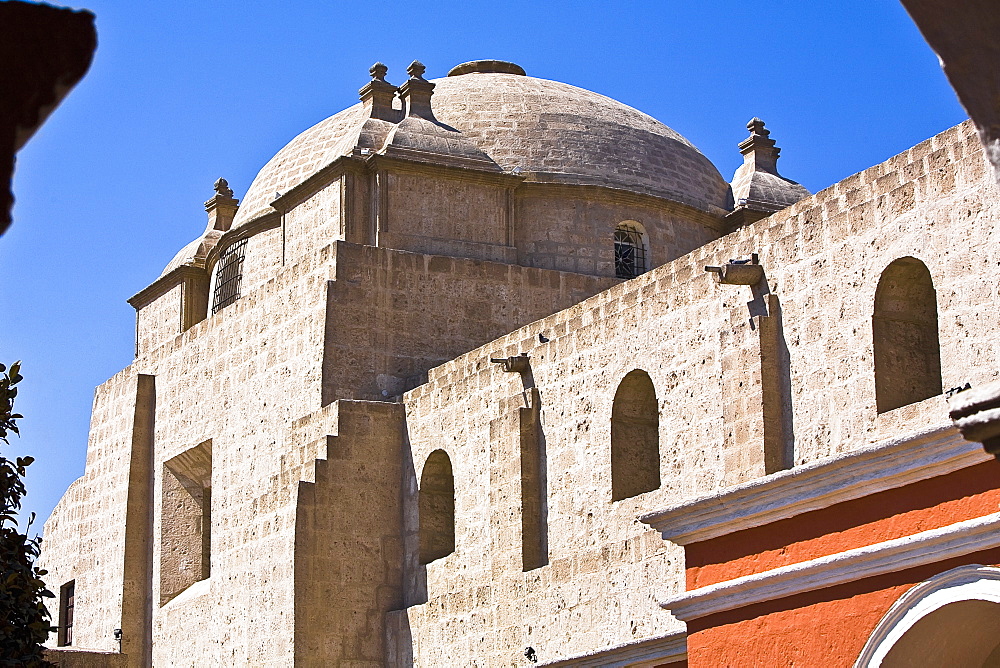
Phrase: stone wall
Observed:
(571, 228)
(701, 343)
(239, 379)
(392, 315)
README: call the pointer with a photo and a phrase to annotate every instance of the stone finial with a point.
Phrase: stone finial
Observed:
(416, 92)
(378, 94)
(378, 71)
(222, 207)
(222, 188)
(416, 70)
(759, 148)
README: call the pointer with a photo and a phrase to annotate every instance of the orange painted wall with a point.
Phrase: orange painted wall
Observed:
(964, 494)
(822, 629)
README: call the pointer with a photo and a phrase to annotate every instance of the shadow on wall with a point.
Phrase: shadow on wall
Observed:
(776, 378)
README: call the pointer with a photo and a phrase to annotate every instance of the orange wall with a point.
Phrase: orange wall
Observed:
(962, 495)
(822, 629)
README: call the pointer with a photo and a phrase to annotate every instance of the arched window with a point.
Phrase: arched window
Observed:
(630, 250)
(635, 435)
(905, 332)
(437, 508)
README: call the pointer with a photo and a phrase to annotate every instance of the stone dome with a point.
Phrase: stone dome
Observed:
(545, 130)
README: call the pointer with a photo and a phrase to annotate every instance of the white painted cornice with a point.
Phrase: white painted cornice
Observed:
(889, 464)
(926, 547)
(641, 654)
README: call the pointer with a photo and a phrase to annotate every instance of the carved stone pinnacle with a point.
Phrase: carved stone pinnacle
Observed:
(756, 127)
(416, 70)
(222, 188)
(378, 71)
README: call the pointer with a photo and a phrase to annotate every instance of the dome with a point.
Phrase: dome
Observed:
(545, 130)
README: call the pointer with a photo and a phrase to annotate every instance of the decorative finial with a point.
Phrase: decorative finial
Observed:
(756, 127)
(222, 188)
(416, 70)
(378, 71)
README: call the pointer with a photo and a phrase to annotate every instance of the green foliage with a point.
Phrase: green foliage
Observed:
(24, 619)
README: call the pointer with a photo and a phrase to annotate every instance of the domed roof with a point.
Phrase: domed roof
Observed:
(546, 130)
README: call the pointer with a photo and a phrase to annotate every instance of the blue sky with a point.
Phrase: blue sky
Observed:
(181, 93)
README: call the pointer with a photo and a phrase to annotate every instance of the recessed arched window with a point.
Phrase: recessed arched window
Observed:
(635, 437)
(905, 333)
(630, 250)
(437, 508)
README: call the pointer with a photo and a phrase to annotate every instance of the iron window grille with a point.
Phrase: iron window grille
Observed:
(630, 253)
(229, 273)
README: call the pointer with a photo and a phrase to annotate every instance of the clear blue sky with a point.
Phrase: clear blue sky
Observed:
(181, 93)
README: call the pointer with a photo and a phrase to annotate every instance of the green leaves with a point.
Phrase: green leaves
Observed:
(25, 622)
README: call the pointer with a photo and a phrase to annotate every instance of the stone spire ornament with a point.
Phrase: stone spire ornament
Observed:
(416, 92)
(378, 71)
(757, 188)
(222, 188)
(378, 93)
(222, 207)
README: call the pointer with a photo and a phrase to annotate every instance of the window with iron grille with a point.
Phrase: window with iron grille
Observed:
(228, 275)
(630, 253)
(67, 599)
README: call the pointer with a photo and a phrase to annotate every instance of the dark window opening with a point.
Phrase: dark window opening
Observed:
(635, 437)
(228, 275)
(437, 508)
(67, 601)
(630, 252)
(905, 333)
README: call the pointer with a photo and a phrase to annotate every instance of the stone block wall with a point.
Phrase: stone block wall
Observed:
(701, 342)
(392, 315)
(348, 535)
(102, 521)
(571, 228)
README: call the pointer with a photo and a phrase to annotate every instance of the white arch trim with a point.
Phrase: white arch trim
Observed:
(965, 583)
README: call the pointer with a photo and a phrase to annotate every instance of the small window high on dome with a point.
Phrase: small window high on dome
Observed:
(630, 250)
(228, 275)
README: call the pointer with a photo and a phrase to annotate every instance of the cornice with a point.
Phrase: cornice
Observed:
(316, 182)
(889, 464)
(652, 652)
(474, 173)
(891, 556)
(268, 221)
(164, 284)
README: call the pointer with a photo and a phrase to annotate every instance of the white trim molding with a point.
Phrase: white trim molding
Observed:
(645, 653)
(889, 464)
(926, 547)
(965, 583)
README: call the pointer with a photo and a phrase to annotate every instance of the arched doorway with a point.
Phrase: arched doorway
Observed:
(949, 621)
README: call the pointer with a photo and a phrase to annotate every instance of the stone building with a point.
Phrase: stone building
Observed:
(495, 371)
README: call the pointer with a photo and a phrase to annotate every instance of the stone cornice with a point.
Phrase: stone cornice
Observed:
(886, 465)
(316, 182)
(401, 163)
(652, 652)
(891, 556)
(268, 221)
(163, 284)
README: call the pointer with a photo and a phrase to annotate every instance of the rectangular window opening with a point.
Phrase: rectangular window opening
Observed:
(67, 601)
